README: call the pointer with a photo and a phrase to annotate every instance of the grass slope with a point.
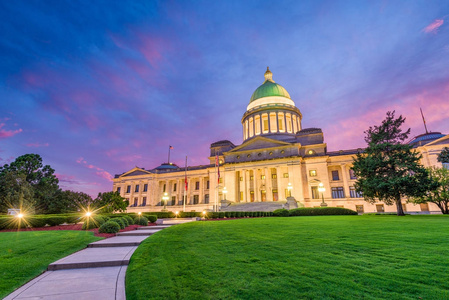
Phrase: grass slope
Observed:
(328, 257)
(24, 255)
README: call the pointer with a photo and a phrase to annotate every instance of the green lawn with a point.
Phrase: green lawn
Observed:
(327, 257)
(24, 255)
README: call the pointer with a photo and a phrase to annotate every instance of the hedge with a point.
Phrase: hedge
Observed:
(109, 227)
(151, 218)
(141, 221)
(321, 211)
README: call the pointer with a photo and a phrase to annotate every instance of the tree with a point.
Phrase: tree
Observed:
(388, 169)
(41, 178)
(443, 157)
(69, 201)
(110, 202)
(15, 192)
(440, 193)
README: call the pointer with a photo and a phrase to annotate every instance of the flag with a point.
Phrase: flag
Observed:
(171, 147)
(185, 181)
(217, 164)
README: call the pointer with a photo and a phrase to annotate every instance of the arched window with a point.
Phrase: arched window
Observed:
(265, 123)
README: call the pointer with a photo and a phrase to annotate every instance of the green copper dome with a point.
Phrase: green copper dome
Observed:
(269, 88)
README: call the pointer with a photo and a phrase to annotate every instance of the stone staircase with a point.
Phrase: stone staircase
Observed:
(255, 206)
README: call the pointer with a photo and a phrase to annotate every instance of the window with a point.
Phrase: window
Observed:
(424, 207)
(281, 122)
(312, 173)
(251, 194)
(137, 189)
(241, 196)
(118, 190)
(251, 128)
(144, 201)
(352, 174)
(380, 208)
(164, 187)
(285, 175)
(207, 184)
(274, 176)
(262, 177)
(220, 180)
(173, 200)
(206, 199)
(295, 128)
(337, 192)
(359, 209)
(197, 185)
(273, 127)
(335, 175)
(257, 123)
(145, 187)
(288, 193)
(128, 189)
(353, 193)
(275, 195)
(241, 178)
(265, 124)
(289, 122)
(135, 201)
(315, 193)
(263, 196)
(174, 187)
(251, 178)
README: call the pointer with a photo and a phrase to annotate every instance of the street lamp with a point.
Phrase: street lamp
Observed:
(289, 188)
(165, 199)
(225, 191)
(321, 189)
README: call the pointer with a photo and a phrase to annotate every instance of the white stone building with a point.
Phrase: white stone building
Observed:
(278, 159)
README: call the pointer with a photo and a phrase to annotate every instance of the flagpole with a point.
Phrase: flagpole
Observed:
(185, 189)
(169, 147)
(422, 115)
(216, 188)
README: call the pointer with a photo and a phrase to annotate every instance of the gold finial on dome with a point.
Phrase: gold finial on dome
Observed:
(268, 75)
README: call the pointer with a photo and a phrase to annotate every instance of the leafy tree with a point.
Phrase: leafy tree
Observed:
(41, 178)
(110, 202)
(69, 201)
(440, 194)
(15, 192)
(388, 169)
(443, 157)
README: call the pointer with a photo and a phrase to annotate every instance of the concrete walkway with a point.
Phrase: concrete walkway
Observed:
(95, 273)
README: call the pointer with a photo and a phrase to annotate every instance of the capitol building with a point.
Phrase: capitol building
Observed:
(279, 164)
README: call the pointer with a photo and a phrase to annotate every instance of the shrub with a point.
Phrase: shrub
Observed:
(106, 218)
(89, 223)
(125, 221)
(321, 211)
(141, 221)
(221, 215)
(55, 221)
(99, 220)
(119, 222)
(109, 227)
(152, 218)
(129, 219)
(37, 222)
(281, 213)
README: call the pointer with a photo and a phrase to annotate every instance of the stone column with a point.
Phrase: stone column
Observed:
(344, 174)
(256, 186)
(281, 188)
(268, 185)
(201, 200)
(246, 185)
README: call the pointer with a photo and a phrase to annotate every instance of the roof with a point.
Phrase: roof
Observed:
(269, 89)
(425, 138)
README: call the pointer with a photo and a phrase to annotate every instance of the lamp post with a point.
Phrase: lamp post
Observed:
(225, 191)
(289, 188)
(321, 189)
(165, 199)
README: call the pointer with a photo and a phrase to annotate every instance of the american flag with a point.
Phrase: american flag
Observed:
(171, 147)
(217, 164)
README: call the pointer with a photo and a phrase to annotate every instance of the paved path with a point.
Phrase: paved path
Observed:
(95, 273)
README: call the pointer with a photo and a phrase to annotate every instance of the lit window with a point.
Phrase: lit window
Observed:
(220, 180)
(312, 173)
(315, 193)
(262, 177)
(273, 126)
(274, 176)
(337, 192)
(289, 122)
(241, 196)
(285, 175)
(251, 178)
(281, 122)
(257, 123)
(241, 178)
(335, 175)
(251, 129)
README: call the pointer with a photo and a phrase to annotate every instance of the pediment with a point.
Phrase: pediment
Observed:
(135, 172)
(259, 143)
(441, 141)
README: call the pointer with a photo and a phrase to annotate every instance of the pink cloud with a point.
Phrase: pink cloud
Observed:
(105, 175)
(37, 145)
(100, 172)
(434, 26)
(8, 133)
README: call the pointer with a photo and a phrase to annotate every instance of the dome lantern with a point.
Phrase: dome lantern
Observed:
(268, 75)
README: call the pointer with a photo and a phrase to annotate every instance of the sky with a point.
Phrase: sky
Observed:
(99, 87)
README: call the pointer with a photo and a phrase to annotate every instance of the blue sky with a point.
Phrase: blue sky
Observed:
(99, 87)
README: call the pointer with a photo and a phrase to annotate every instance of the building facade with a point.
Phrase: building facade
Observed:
(277, 161)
